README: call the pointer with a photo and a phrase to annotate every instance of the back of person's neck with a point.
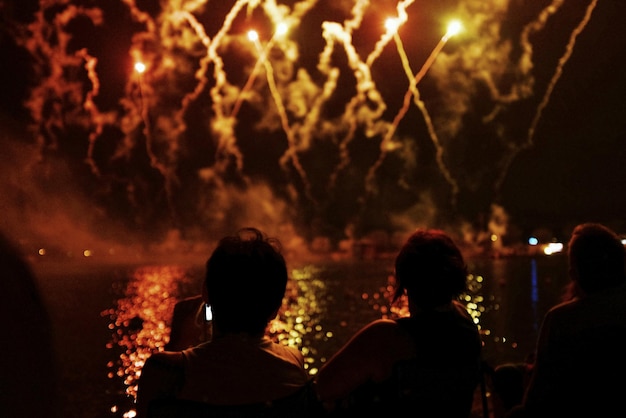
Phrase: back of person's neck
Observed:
(244, 336)
(417, 309)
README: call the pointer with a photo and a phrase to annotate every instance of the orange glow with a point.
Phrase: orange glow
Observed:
(281, 29)
(392, 24)
(140, 67)
(454, 28)
(253, 36)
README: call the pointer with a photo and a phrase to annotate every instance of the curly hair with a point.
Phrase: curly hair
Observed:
(596, 257)
(246, 278)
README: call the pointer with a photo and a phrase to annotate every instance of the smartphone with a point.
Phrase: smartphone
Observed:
(208, 313)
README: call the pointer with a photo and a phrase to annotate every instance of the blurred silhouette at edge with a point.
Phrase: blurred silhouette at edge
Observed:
(28, 383)
(579, 363)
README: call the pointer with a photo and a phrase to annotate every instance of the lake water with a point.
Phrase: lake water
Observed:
(108, 317)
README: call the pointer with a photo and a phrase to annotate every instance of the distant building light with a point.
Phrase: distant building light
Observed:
(553, 248)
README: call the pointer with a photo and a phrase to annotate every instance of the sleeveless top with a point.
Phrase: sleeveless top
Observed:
(440, 380)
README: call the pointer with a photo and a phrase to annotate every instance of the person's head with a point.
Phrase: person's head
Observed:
(245, 282)
(430, 269)
(596, 258)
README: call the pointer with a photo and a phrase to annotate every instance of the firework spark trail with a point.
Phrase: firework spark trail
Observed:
(310, 124)
(283, 23)
(200, 75)
(427, 119)
(223, 125)
(176, 19)
(291, 152)
(141, 98)
(432, 133)
(59, 102)
(439, 150)
(358, 13)
(406, 65)
(284, 20)
(559, 70)
(526, 62)
(524, 87)
(569, 49)
(139, 16)
(334, 33)
(90, 106)
(367, 106)
(48, 43)
(135, 114)
(390, 33)
(386, 142)
(250, 81)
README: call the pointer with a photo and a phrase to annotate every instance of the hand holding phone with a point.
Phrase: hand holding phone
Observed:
(208, 313)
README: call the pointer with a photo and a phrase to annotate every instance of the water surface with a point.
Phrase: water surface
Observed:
(107, 318)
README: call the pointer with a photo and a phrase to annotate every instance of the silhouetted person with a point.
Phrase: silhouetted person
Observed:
(581, 349)
(245, 282)
(427, 363)
(28, 366)
(509, 382)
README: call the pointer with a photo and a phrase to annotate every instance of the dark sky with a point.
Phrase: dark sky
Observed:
(523, 110)
(575, 169)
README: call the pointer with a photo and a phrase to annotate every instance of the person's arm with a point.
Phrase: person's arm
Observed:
(543, 373)
(161, 376)
(365, 357)
(187, 330)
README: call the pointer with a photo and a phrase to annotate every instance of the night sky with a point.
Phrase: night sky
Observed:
(517, 125)
(575, 170)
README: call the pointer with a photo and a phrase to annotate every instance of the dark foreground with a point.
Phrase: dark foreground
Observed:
(105, 318)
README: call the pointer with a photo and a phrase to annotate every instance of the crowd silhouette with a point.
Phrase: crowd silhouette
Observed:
(220, 359)
(579, 362)
(428, 362)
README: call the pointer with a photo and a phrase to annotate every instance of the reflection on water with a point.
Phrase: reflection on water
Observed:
(534, 292)
(325, 304)
(299, 322)
(140, 321)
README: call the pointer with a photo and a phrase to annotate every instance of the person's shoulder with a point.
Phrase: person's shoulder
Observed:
(606, 304)
(379, 329)
(287, 351)
(163, 368)
(366, 343)
(164, 360)
(380, 325)
(563, 310)
(161, 375)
